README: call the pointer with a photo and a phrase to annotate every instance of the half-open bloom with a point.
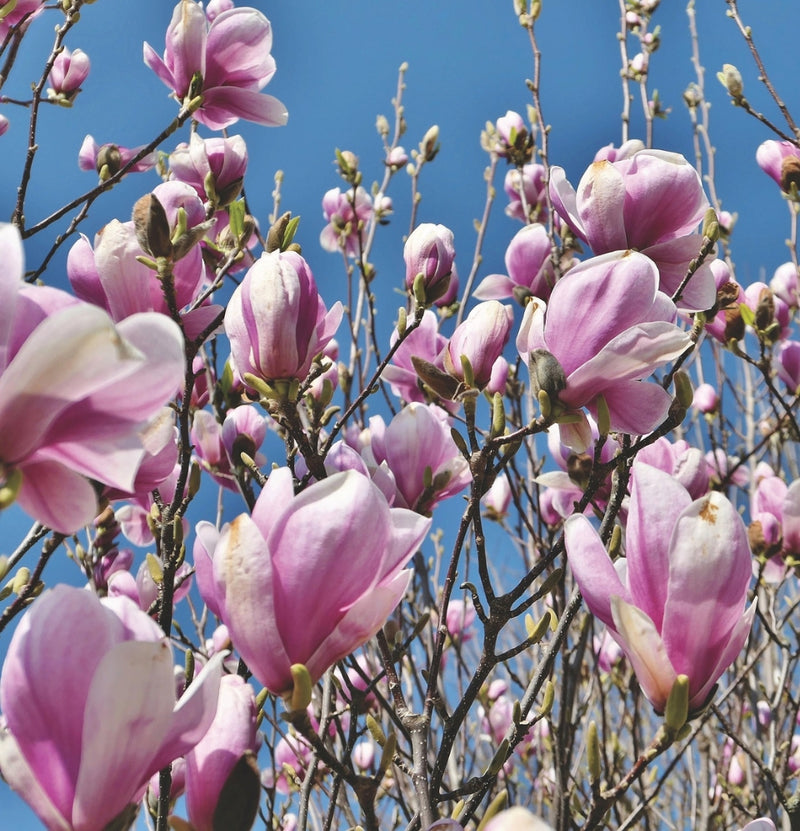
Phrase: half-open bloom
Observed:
(676, 604)
(309, 578)
(276, 321)
(81, 755)
(651, 202)
(608, 326)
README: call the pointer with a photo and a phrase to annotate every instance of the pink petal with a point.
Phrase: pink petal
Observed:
(645, 650)
(601, 200)
(648, 537)
(131, 699)
(224, 105)
(594, 572)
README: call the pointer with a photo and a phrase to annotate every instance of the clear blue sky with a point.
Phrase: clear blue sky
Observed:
(337, 69)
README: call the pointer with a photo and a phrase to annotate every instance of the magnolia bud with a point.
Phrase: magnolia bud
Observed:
(731, 79)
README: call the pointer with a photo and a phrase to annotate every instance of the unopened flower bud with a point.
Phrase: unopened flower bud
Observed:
(109, 161)
(546, 374)
(429, 146)
(731, 79)
(152, 227)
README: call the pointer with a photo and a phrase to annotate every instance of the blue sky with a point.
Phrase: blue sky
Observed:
(337, 69)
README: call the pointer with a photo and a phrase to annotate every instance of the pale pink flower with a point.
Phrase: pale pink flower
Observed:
(417, 448)
(530, 271)
(108, 159)
(780, 160)
(76, 392)
(429, 251)
(423, 342)
(69, 71)
(346, 214)
(226, 750)
(528, 182)
(81, 757)
(276, 321)
(481, 339)
(214, 167)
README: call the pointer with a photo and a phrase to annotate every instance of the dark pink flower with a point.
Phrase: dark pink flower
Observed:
(232, 57)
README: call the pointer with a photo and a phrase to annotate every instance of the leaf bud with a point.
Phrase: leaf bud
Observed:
(731, 79)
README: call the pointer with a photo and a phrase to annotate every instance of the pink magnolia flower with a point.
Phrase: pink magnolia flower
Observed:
(69, 71)
(214, 167)
(276, 321)
(530, 271)
(784, 284)
(76, 391)
(219, 446)
(81, 757)
(282, 609)
(609, 327)
(232, 57)
(788, 365)
(346, 214)
(498, 498)
(683, 462)
(510, 128)
(107, 159)
(727, 324)
(417, 448)
(227, 750)
(110, 275)
(424, 342)
(429, 251)
(780, 160)
(651, 202)
(528, 182)
(667, 606)
(481, 339)
(23, 11)
(705, 398)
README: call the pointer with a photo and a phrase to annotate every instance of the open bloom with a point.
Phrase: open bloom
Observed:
(676, 605)
(418, 448)
(81, 756)
(232, 57)
(608, 326)
(651, 202)
(276, 320)
(75, 393)
(309, 578)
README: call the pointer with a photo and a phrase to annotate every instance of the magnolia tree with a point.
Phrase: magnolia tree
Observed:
(523, 559)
